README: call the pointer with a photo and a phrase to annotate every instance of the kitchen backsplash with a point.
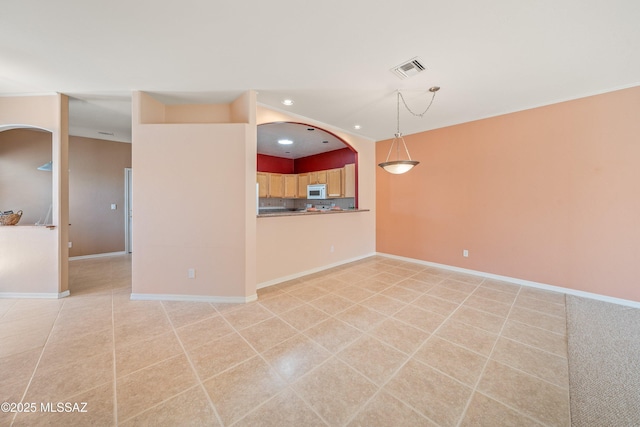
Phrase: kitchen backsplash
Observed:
(269, 202)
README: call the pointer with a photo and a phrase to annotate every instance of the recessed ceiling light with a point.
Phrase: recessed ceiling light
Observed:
(287, 102)
(285, 141)
(357, 127)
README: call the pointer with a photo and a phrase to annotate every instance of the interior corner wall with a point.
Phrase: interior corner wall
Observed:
(96, 181)
(293, 245)
(547, 195)
(34, 260)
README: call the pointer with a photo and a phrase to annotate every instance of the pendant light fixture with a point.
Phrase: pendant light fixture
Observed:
(400, 166)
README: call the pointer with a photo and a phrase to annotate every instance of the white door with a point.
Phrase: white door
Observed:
(127, 211)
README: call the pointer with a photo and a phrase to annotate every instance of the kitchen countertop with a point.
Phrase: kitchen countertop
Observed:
(320, 212)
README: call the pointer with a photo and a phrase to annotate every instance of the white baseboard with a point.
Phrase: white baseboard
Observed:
(27, 295)
(97, 255)
(517, 281)
(193, 298)
(311, 271)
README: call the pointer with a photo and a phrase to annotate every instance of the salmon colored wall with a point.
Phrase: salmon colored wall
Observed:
(548, 195)
(34, 260)
(290, 246)
(274, 164)
(329, 160)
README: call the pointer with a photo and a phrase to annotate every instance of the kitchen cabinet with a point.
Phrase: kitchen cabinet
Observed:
(262, 178)
(334, 182)
(291, 186)
(318, 177)
(276, 185)
(303, 181)
(349, 182)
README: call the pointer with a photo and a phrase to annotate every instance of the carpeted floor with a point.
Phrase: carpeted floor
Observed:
(604, 363)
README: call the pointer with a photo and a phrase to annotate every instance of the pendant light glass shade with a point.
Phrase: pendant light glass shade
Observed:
(400, 166)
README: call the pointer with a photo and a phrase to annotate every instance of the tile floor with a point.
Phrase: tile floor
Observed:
(379, 342)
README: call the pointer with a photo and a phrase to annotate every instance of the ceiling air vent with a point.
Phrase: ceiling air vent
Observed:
(409, 68)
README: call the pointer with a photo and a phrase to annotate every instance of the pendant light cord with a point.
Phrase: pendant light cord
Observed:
(409, 109)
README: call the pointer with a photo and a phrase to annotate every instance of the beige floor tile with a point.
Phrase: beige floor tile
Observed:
(436, 305)
(148, 387)
(383, 304)
(468, 336)
(281, 303)
(551, 323)
(11, 392)
(388, 278)
(372, 358)
(268, 292)
(385, 410)
(499, 285)
(361, 317)
(546, 366)
(203, 332)
(304, 316)
(460, 286)
(484, 411)
(333, 334)
(540, 305)
(481, 319)
(354, 293)
(285, 409)
(77, 375)
(455, 361)
(219, 355)
(350, 276)
(19, 367)
(91, 408)
(465, 278)
(495, 295)
(238, 391)
(415, 285)
(190, 313)
(307, 293)
(536, 337)
(190, 408)
(543, 295)
(247, 315)
(534, 397)
(423, 319)
(372, 284)
(429, 277)
(331, 304)
(62, 349)
(487, 305)
(348, 391)
(148, 352)
(401, 294)
(130, 333)
(448, 294)
(295, 357)
(399, 335)
(267, 334)
(431, 393)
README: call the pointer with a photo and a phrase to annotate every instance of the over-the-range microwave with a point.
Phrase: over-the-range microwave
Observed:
(317, 191)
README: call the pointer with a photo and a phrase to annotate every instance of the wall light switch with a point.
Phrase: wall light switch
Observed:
(114, 206)
(191, 273)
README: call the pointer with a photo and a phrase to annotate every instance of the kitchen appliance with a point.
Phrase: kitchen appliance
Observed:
(317, 191)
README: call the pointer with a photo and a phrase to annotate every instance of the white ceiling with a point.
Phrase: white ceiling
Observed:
(307, 140)
(332, 58)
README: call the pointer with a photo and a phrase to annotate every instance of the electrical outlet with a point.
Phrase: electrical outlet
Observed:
(465, 253)
(191, 273)
(331, 250)
(70, 244)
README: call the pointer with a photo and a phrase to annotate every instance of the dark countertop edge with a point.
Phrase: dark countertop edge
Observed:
(299, 213)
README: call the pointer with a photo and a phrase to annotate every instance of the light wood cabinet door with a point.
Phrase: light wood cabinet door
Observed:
(334, 182)
(290, 186)
(303, 181)
(276, 185)
(322, 177)
(262, 178)
(313, 177)
(350, 180)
